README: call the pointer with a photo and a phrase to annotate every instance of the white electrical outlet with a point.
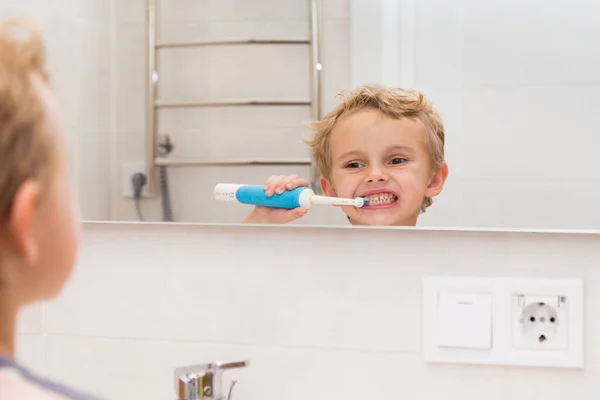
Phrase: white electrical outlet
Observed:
(504, 321)
(540, 322)
(127, 172)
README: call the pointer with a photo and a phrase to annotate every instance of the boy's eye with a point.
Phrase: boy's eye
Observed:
(353, 165)
(398, 160)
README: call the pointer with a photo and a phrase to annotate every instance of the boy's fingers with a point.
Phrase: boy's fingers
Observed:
(271, 184)
(300, 211)
(290, 180)
(298, 182)
(301, 182)
(284, 183)
(279, 183)
(291, 215)
(276, 183)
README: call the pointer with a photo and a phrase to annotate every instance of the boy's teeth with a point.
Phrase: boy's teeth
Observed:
(384, 198)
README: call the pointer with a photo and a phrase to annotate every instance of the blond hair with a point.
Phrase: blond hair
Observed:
(392, 102)
(26, 148)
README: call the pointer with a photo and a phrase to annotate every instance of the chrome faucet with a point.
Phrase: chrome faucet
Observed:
(204, 381)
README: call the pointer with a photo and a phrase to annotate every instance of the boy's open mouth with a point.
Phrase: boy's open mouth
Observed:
(380, 199)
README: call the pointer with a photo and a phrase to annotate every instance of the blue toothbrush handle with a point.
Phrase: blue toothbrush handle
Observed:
(256, 195)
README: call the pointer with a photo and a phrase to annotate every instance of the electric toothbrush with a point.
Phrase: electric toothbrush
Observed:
(299, 197)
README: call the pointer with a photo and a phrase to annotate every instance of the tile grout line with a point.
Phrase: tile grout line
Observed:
(224, 344)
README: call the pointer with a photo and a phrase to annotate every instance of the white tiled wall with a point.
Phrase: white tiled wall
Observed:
(517, 84)
(333, 311)
(240, 71)
(78, 39)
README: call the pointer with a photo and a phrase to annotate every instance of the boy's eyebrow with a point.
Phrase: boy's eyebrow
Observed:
(398, 148)
(401, 148)
(349, 154)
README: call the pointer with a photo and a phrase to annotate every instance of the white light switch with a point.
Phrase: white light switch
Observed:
(465, 320)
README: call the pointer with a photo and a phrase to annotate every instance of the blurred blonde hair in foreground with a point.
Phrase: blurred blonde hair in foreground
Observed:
(26, 147)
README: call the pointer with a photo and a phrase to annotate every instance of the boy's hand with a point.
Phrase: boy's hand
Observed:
(268, 215)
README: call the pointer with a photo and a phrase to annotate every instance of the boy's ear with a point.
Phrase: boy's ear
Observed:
(436, 184)
(21, 227)
(326, 187)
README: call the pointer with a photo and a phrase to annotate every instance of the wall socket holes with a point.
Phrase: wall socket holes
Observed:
(540, 322)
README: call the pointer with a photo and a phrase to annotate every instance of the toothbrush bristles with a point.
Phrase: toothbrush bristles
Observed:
(366, 201)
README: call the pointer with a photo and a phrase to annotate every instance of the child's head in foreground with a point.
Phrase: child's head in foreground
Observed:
(38, 218)
(386, 144)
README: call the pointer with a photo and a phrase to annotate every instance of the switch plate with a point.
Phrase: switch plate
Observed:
(464, 320)
(441, 343)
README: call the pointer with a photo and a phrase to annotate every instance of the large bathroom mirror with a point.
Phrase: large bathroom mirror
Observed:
(174, 87)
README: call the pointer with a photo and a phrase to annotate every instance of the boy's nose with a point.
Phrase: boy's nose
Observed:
(376, 175)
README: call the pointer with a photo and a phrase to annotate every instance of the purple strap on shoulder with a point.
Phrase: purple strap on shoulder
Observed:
(45, 383)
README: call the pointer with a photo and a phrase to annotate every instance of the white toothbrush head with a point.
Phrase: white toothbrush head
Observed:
(361, 202)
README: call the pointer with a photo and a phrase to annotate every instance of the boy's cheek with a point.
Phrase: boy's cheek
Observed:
(342, 188)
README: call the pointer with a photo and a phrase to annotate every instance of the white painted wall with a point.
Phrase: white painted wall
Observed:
(516, 83)
(78, 39)
(334, 312)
